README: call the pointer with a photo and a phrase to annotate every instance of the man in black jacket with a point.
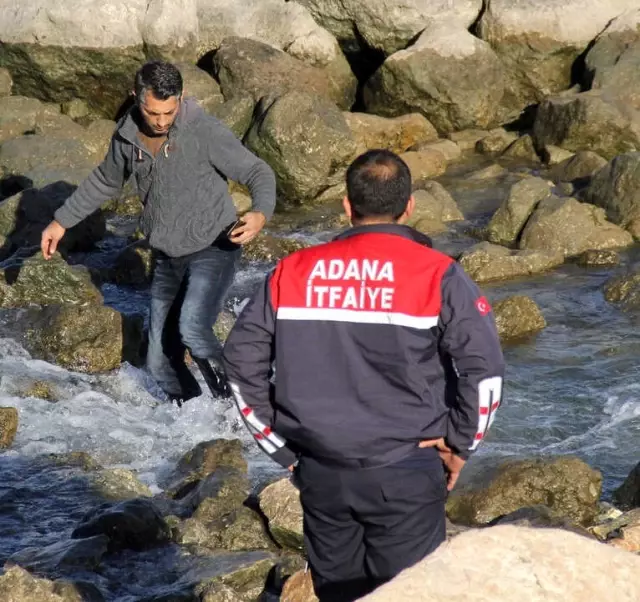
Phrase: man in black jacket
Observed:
(388, 373)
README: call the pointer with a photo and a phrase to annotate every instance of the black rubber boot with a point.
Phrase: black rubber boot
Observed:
(214, 376)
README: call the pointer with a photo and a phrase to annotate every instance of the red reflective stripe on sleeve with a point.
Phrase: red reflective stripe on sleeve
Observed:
(246, 411)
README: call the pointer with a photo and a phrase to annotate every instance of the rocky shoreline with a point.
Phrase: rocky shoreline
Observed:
(541, 98)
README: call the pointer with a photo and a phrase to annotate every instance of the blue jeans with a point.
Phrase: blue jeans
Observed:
(186, 297)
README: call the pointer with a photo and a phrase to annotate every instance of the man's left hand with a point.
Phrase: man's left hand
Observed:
(254, 221)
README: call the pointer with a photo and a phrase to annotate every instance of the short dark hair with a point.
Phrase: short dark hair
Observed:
(163, 79)
(378, 184)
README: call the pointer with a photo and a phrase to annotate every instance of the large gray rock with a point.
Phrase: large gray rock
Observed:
(287, 26)
(18, 585)
(83, 338)
(133, 524)
(565, 225)
(6, 83)
(388, 25)
(540, 40)
(247, 67)
(18, 115)
(517, 316)
(397, 134)
(616, 188)
(566, 484)
(518, 563)
(434, 202)
(579, 168)
(200, 85)
(509, 220)
(40, 282)
(613, 63)
(590, 120)
(486, 262)
(280, 503)
(306, 141)
(454, 79)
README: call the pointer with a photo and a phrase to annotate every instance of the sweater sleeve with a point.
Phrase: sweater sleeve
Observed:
(248, 355)
(236, 162)
(470, 339)
(102, 184)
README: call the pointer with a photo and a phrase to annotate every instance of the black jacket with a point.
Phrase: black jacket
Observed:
(379, 342)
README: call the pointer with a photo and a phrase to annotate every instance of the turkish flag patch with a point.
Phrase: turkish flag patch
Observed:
(482, 305)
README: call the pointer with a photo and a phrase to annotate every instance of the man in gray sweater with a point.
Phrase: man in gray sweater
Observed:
(180, 158)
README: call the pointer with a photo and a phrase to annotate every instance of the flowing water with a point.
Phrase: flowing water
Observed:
(571, 389)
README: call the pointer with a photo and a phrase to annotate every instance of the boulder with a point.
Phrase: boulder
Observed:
(170, 30)
(570, 227)
(628, 494)
(599, 258)
(397, 134)
(518, 563)
(18, 585)
(624, 291)
(522, 149)
(610, 526)
(245, 582)
(270, 249)
(21, 155)
(306, 141)
(116, 484)
(388, 25)
(448, 149)
(434, 204)
(424, 165)
(487, 173)
(51, 122)
(217, 495)
(236, 113)
(79, 554)
(201, 86)
(616, 188)
(83, 338)
(40, 282)
(578, 168)
(247, 67)
(613, 60)
(133, 266)
(96, 138)
(225, 322)
(203, 460)
(280, 503)
(8, 426)
(565, 484)
(18, 116)
(629, 539)
(486, 262)
(286, 26)
(587, 121)
(496, 142)
(240, 530)
(517, 316)
(509, 220)
(454, 79)
(130, 525)
(553, 155)
(6, 83)
(75, 108)
(57, 52)
(540, 40)
(468, 140)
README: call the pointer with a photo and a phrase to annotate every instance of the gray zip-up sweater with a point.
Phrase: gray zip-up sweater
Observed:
(184, 191)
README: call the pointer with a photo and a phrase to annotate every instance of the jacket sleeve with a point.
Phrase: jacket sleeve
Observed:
(102, 184)
(470, 338)
(229, 156)
(247, 357)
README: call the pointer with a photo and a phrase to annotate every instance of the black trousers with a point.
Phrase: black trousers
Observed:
(363, 526)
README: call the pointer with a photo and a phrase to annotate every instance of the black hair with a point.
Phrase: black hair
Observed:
(378, 185)
(162, 79)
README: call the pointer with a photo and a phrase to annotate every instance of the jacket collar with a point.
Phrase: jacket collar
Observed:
(395, 229)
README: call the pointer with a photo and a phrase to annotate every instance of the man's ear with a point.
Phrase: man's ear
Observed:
(408, 212)
(346, 205)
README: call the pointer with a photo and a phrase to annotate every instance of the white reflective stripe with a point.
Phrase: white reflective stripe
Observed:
(252, 420)
(489, 391)
(361, 317)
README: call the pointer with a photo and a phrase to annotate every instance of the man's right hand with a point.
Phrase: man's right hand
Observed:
(453, 464)
(51, 236)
